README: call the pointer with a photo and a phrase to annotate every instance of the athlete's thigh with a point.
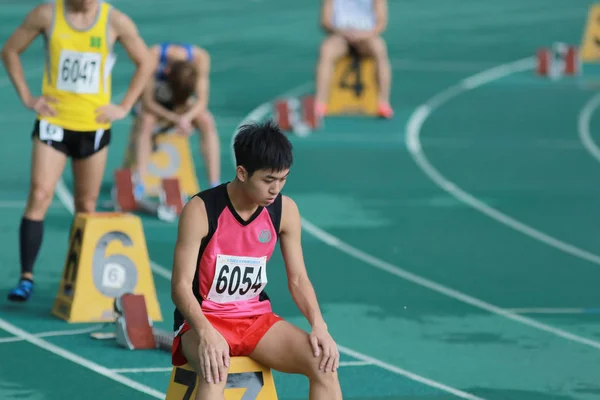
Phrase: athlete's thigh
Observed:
(47, 165)
(286, 348)
(189, 347)
(372, 47)
(204, 122)
(88, 173)
(334, 46)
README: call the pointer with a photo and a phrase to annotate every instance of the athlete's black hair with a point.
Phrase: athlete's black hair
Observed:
(262, 146)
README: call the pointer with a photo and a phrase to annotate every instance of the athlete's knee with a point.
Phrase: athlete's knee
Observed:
(205, 122)
(378, 48)
(40, 197)
(318, 376)
(331, 48)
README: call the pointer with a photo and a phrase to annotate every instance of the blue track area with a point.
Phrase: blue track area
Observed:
(454, 249)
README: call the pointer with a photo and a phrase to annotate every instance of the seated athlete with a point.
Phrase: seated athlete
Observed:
(226, 236)
(177, 97)
(357, 24)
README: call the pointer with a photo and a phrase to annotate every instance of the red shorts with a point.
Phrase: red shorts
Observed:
(242, 334)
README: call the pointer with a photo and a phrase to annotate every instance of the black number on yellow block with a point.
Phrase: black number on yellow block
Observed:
(70, 274)
(352, 78)
(253, 382)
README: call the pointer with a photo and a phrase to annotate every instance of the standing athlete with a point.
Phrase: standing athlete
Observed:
(74, 113)
(226, 237)
(176, 97)
(356, 25)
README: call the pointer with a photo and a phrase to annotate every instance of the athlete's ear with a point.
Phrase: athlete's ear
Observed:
(241, 173)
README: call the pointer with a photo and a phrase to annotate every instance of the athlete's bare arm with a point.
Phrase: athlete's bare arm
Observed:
(213, 352)
(193, 227)
(202, 61)
(36, 22)
(300, 286)
(326, 15)
(381, 20)
(126, 33)
(148, 101)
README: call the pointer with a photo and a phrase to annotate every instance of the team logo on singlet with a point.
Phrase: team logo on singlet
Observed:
(264, 236)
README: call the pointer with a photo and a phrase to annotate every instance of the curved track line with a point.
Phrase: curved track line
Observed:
(583, 125)
(66, 198)
(416, 121)
(258, 114)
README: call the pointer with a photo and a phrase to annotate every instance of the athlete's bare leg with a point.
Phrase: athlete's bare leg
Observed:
(209, 145)
(332, 48)
(205, 391)
(87, 180)
(377, 48)
(286, 348)
(143, 142)
(47, 165)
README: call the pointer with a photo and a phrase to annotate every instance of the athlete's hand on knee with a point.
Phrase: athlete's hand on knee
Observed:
(110, 113)
(184, 126)
(324, 345)
(42, 106)
(214, 356)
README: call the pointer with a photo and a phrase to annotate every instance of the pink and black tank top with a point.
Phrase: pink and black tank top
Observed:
(231, 272)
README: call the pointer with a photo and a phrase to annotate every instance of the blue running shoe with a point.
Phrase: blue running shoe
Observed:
(22, 292)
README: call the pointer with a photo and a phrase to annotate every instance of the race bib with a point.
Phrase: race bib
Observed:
(51, 132)
(79, 72)
(238, 278)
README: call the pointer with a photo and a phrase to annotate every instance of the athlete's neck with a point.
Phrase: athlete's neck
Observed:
(243, 205)
(85, 8)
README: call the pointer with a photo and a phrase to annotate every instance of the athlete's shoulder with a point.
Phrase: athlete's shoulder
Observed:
(193, 220)
(121, 23)
(290, 215)
(201, 55)
(41, 16)
(288, 204)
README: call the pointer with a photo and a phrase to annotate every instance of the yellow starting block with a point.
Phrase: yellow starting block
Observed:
(246, 380)
(590, 42)
(172, 158)
(107, 257)
(354, 88)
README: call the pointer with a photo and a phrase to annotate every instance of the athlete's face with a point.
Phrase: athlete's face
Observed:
(264, 185)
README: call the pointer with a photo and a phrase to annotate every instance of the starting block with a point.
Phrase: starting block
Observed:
(133, 326)
(561, 60)
(171, 197)
(107, 257)
(246, 380)
(296, 115)
(171, 158)
(589, 50)
(354, 88)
